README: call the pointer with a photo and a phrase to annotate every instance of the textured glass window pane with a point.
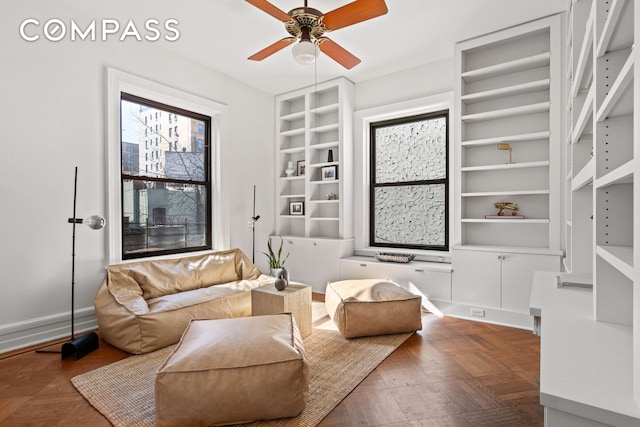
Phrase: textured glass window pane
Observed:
(411, 151)
(410, 215)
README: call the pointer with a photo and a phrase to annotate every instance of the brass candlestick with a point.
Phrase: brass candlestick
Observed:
(505, 146)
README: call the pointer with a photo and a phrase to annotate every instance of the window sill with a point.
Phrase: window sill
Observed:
(421, 255)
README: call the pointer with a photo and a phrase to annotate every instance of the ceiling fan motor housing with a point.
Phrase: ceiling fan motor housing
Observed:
(306, 18)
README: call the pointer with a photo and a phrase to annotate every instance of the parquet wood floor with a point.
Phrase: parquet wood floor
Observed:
(452, 373)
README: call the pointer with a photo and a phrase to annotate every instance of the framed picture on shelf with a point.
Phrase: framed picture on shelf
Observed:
(300, 167)
(329, 173)
(296, 208)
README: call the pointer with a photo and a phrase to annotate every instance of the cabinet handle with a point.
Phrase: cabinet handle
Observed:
(315, 244)
(290, 242)
(418, 270)
(363, 265)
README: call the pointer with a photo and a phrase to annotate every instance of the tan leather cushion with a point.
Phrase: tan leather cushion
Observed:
(157, 278)
(233, 370)
(372, 307)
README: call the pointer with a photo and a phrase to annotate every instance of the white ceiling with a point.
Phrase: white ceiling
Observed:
(221, 34)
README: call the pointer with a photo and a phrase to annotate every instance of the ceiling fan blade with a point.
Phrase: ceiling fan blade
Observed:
(270, 50)
(272, 10)
(354, 12)
(338, 53)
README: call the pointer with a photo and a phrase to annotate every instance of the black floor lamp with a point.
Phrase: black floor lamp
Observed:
(252, 224)
(84, 344)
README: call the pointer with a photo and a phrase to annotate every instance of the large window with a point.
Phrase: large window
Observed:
(409, 183)
(166, 186)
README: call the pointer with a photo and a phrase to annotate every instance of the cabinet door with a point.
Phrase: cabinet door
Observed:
(517, 278)
(476, 278)
(433, 284)
(326, 262)
(361, 270)
(300, 261)
(314, 261)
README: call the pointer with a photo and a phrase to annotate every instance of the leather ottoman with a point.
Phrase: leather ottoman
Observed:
(229, 371)
(370, 307)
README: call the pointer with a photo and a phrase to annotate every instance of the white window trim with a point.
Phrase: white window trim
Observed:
(363, 120)
(118, 82)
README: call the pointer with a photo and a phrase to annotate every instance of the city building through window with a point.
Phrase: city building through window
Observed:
(166, 193)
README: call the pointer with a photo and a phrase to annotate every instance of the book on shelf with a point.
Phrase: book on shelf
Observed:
(504, 217)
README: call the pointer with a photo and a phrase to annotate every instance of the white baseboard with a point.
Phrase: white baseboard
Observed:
(495, 316)
(40, 330)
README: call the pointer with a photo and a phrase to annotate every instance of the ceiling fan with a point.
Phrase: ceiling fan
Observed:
(309, 25)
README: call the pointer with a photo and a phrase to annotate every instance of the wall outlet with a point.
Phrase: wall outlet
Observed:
(477, 312)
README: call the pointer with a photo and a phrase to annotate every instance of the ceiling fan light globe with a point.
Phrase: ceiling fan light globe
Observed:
(305, 52)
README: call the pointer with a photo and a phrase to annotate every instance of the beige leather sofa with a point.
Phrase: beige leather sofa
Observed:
(146, 305)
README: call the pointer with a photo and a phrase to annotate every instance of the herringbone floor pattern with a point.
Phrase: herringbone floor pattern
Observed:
(452, 373)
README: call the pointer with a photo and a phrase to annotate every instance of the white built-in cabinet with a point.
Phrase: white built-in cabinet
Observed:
(314, 127)
(590, 359)
(505, 281)
(313, 261)
(430, 279)
(508, 91)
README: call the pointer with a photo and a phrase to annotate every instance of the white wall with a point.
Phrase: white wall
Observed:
(424, 80)
(410, 92)
(53, 118)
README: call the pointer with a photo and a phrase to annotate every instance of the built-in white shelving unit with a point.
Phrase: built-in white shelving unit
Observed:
(508, 94)
(601, 153)
(508, 81)
(602, 226)
(311, 123)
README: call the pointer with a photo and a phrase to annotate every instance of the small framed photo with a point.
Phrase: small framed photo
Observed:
(296, 208)
(329, 173)
(300, 167)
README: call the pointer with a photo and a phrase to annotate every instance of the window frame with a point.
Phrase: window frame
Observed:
(206, 182)
(373, 185)
(389, 110)
(118, 82)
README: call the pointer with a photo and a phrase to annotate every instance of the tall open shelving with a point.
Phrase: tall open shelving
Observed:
(579, 143)
(614, 162)
(598, 330)
(603, 154)
(508, 94)
(314, 126)
(504, 96)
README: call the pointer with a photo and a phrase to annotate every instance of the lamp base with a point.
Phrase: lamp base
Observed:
(81, 346)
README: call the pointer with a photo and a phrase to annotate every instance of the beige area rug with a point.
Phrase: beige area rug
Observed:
(124, 391)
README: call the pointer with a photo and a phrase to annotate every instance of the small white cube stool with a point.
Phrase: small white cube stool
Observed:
(369, 307)
(229, 371)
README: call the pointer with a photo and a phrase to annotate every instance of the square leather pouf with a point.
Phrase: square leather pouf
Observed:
(237, 370)
(368, 307)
